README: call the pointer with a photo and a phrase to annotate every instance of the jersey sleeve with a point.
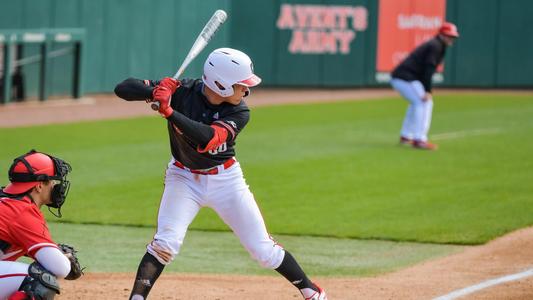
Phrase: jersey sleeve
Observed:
(133, 89)
(31, 232)
(234, 123)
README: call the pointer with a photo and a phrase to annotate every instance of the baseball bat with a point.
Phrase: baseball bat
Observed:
(218, 18)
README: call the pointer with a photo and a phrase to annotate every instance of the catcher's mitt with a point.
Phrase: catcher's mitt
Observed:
(75, 269)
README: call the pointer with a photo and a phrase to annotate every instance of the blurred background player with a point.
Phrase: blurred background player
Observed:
(37, 179)
(204, 118)
(412, 79)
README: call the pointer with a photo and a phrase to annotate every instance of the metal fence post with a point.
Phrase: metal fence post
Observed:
(76, 70)
(7, 69)
(43, 94)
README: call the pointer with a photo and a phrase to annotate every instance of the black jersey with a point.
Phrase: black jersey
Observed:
(190, 101)
(194, 114)
(422, 63)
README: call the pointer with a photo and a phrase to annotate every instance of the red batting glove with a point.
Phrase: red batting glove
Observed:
(170, 83)
(163, 92)
(163, 95)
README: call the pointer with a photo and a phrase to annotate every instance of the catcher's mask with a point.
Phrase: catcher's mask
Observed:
(31, 168)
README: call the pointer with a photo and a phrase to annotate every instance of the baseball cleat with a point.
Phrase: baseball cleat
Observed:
(405, 141)
(319, 295)
(424, 145)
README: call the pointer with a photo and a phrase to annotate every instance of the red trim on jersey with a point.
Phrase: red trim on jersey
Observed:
(219, 137)
(33, 249)
(228, 127)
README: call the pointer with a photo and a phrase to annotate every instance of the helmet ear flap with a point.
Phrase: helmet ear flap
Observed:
(218, 84)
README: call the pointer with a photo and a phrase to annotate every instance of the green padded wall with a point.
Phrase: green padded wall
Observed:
(514, 58)
(149, 39)
(470, 61)
(141, 38)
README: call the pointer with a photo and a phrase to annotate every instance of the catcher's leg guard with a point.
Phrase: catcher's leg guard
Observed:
(39, 284)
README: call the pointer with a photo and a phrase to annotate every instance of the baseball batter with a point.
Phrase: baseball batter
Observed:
(36, 179)
(412, 79)
(204, 117)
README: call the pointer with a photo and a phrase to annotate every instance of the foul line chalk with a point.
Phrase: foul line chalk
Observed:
(485, 284)
(460, 134)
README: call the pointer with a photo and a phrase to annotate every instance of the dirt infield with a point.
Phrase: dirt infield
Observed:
(506, 255)
(108, 106)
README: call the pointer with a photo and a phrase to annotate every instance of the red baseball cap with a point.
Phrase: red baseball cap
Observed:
(449, 29)
(37, 164)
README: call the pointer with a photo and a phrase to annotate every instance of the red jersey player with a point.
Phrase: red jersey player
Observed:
(36, 179)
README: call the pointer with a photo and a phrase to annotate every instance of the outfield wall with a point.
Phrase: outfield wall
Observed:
(494, 49)
(124, 37)
(293, 42)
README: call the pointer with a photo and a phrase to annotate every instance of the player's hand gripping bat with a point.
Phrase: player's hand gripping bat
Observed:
(203, 38)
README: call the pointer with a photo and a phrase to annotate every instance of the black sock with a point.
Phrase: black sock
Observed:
(147, 273)
(290, 269)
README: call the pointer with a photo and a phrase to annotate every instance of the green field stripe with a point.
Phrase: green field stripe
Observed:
(120, 248)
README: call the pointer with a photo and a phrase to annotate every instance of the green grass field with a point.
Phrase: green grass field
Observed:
(108, 248)
(329, 170)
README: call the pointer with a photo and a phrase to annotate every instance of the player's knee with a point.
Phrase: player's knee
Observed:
(268, 255)
(163, 251)
(40, 283)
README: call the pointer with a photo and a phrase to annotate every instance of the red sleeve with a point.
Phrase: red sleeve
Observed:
(31, 232)
(220, 136)
(232, 129)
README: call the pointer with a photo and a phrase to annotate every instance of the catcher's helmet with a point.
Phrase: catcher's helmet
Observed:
(225, 67)
(31, 168)
(449, 29)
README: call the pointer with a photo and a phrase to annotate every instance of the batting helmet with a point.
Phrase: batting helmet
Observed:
(225, 67)
(449, 29)
(31, 168)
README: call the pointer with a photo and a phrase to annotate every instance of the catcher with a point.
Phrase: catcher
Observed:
(35, 179)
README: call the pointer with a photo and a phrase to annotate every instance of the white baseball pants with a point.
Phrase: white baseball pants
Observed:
(229, 196)
(418, 116)
(12, 274)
